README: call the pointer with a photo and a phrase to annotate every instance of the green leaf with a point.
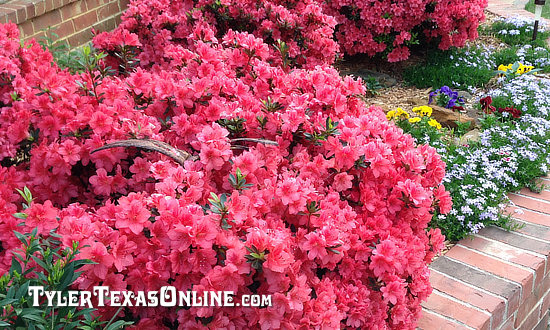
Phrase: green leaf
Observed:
(21, 215)
(34, 317)
(118, 325)
(23, 290)
(68, 276)
(15, 266)
(40, 262)
(7, 301)
(21, 237)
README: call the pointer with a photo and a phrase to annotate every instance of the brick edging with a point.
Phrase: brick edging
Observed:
(496, 279)
(71, 20)
(19, 11)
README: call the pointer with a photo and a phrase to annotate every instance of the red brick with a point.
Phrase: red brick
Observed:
(544, 286)
(124, 4)
(118, 18)
(526, 307)
(26, 29)
(545, 194)
(529, 216)
(47, 20)
(543, 323)
(4, 14)
(508, 253)
(516, 240)
(91, 4)
(530, 321)
(58, 3)
(86, 20)
(39, 8)
(530, 203)
(490, 303)
(106, 25)
(80, 38)
(508, 290)
(493, 266)
(73, 9)
(64, 29)
(465, 314)
(49, 5)
(9, 12)
(545, 302)
(509, 324)
(39, 35)
(107, 11)
(16, 11)
(433, 321)
(19, 9)
(533, 230)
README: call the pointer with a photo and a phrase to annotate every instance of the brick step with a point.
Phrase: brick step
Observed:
(496, 279)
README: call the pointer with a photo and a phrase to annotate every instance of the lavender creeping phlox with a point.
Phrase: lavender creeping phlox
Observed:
(507, 157)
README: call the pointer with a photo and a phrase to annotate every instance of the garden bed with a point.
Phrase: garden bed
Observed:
(182, 152)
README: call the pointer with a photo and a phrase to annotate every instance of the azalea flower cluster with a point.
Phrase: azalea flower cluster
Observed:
(390, 27)
(297, 30)
(291, 186)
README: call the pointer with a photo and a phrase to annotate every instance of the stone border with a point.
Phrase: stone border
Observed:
(497, 279)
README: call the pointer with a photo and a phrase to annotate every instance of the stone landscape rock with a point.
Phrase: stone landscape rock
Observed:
(465, 95)
(417, 101)
(448, 117)
(470, 137)
(383, 79)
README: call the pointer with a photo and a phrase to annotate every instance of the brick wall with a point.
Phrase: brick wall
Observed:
(496, 279)
(72, 20)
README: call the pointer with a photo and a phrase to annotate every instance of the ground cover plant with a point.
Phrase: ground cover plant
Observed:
(284, 181)
(474, 66)
(464, 69)
(512, 151)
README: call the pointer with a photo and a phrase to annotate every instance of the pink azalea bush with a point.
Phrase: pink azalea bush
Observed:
(337, 210)
(390, 27)
(299, 29)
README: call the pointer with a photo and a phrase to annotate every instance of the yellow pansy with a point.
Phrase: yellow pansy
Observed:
(399, 112)
(414, 120)
(434, 123)
(521, 69)
(423, 110)
(503, 67)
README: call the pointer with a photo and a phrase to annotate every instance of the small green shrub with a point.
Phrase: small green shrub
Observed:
(462, 69)
(56, 270)
(65, 57)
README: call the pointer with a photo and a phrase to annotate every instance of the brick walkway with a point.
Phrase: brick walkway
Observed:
(510, 8)
(498, 279)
